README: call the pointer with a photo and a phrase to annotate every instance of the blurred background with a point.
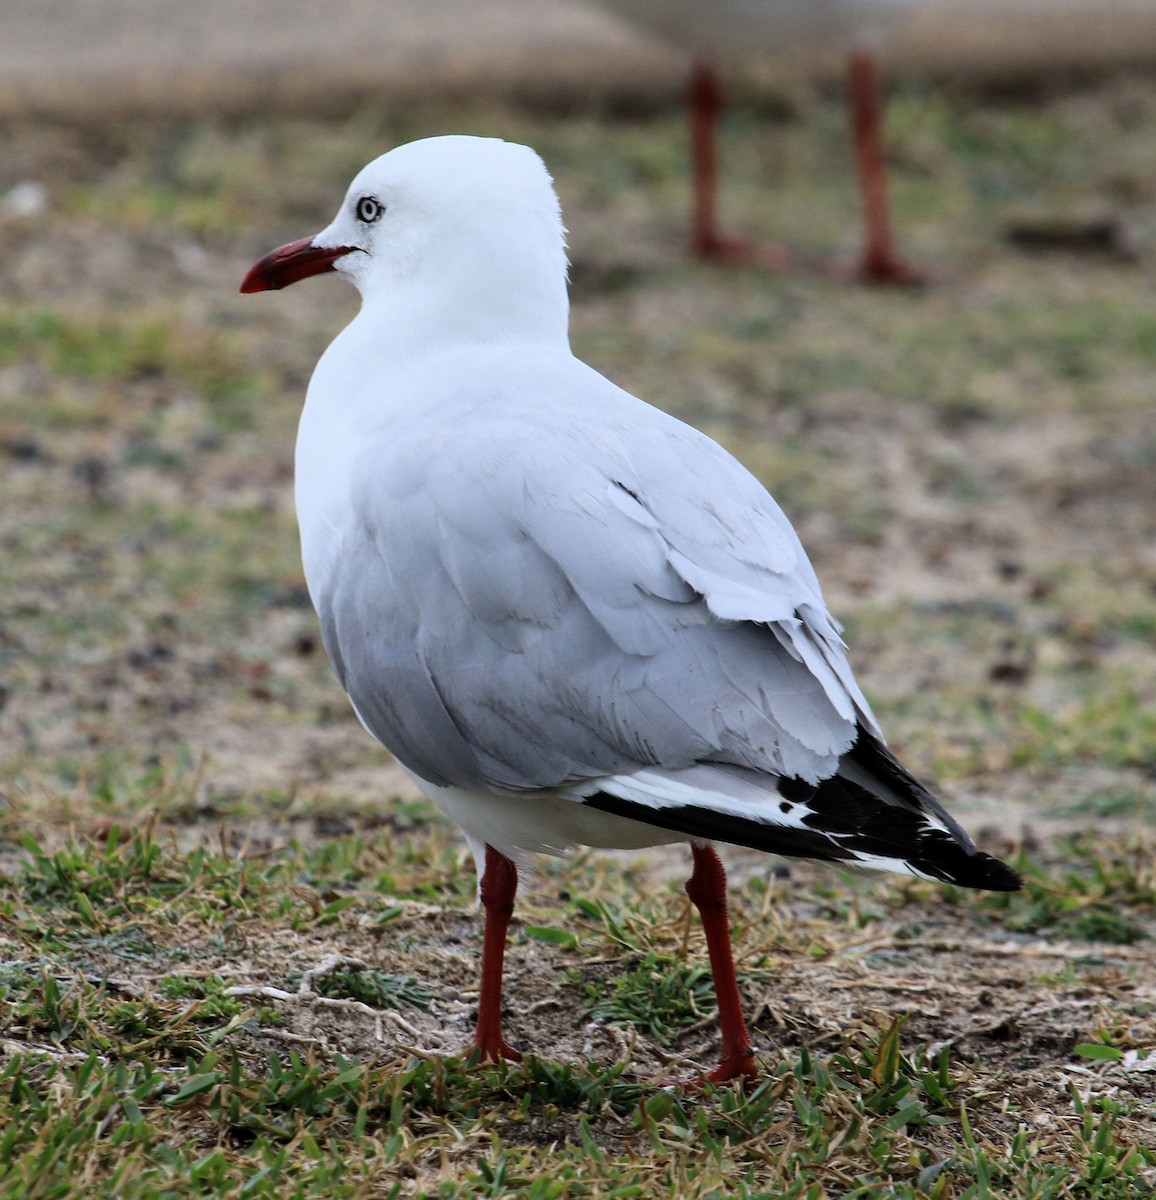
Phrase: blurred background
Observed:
(971, 463)
(969, 456)
(112, 57)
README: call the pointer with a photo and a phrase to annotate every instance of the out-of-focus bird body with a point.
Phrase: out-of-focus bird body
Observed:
(740, 28)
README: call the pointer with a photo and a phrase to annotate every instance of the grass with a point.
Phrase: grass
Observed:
(192, 825)
(655, 996)
(135, 1069)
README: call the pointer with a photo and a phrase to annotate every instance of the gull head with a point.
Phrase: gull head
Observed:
(447, 222)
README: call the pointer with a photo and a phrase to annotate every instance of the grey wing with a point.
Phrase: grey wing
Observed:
(534, 610)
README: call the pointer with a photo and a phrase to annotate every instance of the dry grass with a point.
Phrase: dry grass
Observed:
(194, 822)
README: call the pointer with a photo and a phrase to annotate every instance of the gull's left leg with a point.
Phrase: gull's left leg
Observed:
(707, 889)
(707, 241)
(880, 261)
(498, 887)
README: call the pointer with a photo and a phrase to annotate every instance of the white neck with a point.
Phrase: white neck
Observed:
(425, 318)
(463, 287)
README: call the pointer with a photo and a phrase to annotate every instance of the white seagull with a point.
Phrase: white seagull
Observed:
(573, 619)
(736, 28)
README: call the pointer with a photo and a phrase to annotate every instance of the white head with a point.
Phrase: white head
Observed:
(460, 234)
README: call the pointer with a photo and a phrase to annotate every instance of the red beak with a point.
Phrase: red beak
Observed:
(287, 264)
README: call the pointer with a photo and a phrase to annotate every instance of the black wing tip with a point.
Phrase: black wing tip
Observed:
(928, 852)
(937, 854)
(989, 874)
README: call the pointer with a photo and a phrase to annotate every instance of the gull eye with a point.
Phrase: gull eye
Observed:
(369, 208)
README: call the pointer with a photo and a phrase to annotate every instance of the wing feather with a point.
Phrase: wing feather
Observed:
(551, 597)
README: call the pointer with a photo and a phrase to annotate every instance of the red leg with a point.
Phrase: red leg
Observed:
(707, 889)
(880, 262)
(499, 884)
(707, 241)
(705, 101)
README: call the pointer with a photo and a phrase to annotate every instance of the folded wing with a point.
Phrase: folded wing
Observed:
(544, 598)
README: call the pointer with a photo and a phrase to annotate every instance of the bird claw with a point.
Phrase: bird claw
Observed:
(494, 1050)
(881, 271)
(729, 251)
(889, 271)
(731, 1068)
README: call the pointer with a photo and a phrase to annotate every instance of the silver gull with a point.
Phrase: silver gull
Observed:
(573, 619)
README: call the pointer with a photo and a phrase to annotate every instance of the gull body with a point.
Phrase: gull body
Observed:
(572, 618)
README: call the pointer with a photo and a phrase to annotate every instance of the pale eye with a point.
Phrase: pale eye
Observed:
(369, 208)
